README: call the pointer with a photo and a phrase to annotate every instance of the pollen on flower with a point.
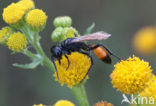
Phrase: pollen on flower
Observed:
(36, 18)
(150, 90)
(144, 40)
(64, 103)
(26, 4)
(4, 34)
(79, 66)
(17, 42)
(13, 13)
(131, 76)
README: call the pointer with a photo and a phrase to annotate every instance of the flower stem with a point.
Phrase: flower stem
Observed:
(138, 104)
(80, 94)
(39, 50)
(34, 38)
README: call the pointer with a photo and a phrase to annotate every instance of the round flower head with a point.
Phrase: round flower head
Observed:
(13, 13)
(17, 42)
(103, 103)
(150, 91)
(145, 40)
(4, 34)
(79, 66)
(131, 76)
(26, 4)
(62, 21)
(57, 35)
(64, 103)
(36, 19)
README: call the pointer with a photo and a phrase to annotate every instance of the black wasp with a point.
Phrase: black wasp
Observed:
(76, 44)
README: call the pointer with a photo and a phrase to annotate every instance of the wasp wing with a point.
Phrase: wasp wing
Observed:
(93, 36)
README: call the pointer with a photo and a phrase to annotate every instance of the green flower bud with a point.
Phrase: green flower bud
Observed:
(57, 35)
(62, 21)
(70, 32)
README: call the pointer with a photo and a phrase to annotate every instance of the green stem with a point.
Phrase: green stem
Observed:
(39, 50)
(30, 54)
(138, 104)
(34, 38)
(80, 95)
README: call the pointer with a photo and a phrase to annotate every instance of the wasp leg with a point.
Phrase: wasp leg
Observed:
(53, 60)
(108, 50)
(68, 61)
(59, 61)
(89, 55)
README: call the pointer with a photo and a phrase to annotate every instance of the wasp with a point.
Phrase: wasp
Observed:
(77, 44)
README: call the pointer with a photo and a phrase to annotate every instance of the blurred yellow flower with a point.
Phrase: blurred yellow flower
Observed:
(36, 18)
(79, 66)
(144, 40)
(17, 42)
(26, 4)
(131, 76)
(64, 103)
(39, 105)
(13, 13)
(150, 91)
(103, 103)
(4, 34)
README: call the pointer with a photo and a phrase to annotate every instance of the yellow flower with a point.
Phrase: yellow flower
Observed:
(144, 40)
(150, 91)
(64, 103)
(4, 34)
(13, 13)
(39, 105)
(103, 103)
(131, 76)
(79, 66)
(17, 42)
(26, 4)
(36, 18)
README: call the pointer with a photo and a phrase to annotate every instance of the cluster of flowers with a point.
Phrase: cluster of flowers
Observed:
(20, 15)
(130, 76)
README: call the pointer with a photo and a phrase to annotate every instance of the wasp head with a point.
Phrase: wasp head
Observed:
(56, 51)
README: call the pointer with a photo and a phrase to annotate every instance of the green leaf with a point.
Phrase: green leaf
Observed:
(31, 65)
(90, 28)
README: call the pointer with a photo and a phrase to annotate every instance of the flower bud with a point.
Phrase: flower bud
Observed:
(57, 35)
(70, 32)
(62, 21)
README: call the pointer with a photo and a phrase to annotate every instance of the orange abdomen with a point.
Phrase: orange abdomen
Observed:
(102, 55)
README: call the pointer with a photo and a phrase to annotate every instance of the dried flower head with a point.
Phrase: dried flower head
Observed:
(103, 103)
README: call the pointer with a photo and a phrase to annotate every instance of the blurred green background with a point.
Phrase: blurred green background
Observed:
(121, 18)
